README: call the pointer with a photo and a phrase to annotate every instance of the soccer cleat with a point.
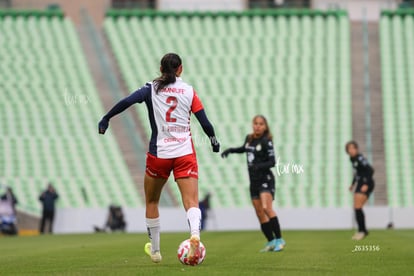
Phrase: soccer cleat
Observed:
(359, 236)
(268, 247)
(156, 256)
(194, 251)
(147, 248)
(279, 245)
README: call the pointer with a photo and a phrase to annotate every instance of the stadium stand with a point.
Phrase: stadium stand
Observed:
(397, 58)
(49, 109)
(290, 65)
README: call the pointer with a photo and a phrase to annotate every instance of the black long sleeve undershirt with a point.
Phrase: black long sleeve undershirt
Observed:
(205, 124)
(118, 108)
(241, 149)
(136, 97)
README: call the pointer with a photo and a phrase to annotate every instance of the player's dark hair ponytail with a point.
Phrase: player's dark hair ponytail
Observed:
(267, 133)
(169, 66)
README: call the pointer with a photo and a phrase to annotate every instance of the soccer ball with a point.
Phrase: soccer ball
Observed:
(183, 252)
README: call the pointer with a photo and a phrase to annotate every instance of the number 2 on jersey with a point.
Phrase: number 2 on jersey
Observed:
(173, 101)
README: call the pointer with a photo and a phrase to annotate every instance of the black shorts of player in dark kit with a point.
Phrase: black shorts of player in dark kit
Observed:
(263, 185)
(369, 181)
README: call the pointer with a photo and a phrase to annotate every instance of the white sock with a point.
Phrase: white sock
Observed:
(153, 227)
(194, 220)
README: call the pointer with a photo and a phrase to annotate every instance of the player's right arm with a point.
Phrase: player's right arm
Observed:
(241, 149)
(136, 97)
(198, 110)
(208, 129)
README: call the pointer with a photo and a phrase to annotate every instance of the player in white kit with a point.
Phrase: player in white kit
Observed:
(170, 102)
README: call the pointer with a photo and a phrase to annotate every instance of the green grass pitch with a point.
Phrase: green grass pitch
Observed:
(228, 253)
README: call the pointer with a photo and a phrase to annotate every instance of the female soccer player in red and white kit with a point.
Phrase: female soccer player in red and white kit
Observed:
(170, 102)
(258, 147)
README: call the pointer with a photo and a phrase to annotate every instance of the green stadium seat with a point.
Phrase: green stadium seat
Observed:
(397, 55)
(48, 135)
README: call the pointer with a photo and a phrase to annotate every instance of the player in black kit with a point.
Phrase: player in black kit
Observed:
(362, 185)
(258, 147)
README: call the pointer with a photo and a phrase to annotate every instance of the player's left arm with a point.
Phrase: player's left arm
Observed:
(198, 110)
(270, 162)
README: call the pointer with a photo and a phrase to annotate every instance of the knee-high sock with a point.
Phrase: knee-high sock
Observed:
(360, 218)
(194, 220)
(153, 227)
(274, 223)
(267, 230)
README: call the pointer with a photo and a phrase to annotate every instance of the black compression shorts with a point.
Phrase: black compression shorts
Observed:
(258, 186)
(365, 181)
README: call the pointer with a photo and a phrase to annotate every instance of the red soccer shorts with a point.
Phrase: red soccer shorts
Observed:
(183, 166)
